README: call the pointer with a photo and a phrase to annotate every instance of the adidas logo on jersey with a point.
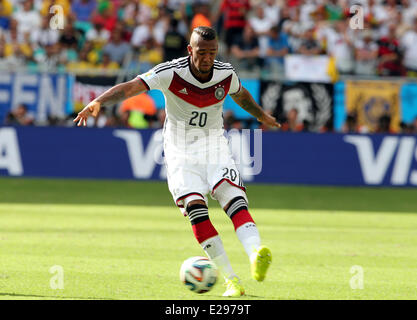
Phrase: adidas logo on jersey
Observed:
(184, 91)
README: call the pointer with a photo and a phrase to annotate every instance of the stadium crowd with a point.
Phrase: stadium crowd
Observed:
(255, 35)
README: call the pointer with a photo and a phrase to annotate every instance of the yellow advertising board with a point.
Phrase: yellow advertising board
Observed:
(371, 100)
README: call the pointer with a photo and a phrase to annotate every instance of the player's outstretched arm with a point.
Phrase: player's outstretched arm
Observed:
(245, 100)
(111, 97)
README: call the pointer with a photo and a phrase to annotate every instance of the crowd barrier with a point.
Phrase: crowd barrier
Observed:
(263, 157)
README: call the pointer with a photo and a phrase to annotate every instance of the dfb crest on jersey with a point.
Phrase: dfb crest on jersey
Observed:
(219, 93)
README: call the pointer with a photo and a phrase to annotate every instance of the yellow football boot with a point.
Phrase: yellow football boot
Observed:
(259, 262)
(233, 288)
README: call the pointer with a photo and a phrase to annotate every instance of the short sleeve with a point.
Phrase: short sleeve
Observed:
(156, 78)
(235, 85)
(150, 79)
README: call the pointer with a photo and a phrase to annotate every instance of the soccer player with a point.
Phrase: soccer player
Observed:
(195, 87)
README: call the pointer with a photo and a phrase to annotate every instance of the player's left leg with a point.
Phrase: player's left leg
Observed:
(210, 241)
(234, 202)
(208, 237)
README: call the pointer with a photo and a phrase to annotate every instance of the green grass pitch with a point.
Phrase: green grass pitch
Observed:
(127, 240)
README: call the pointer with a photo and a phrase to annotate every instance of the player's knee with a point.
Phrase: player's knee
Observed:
(197, 211)
(237, 210)
(193, 202)
(235, 205)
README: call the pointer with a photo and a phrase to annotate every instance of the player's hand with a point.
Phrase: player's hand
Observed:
(269, 120)
(92, 109)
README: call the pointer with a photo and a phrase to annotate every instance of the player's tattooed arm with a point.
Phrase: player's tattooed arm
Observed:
(111, 97)
(120, 92)
(245, 100)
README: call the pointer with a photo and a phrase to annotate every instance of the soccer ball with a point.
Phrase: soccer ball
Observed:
(199, 274)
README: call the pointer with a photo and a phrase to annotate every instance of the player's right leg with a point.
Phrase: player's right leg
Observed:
(210, 241)
(227, 188)
(234, 202)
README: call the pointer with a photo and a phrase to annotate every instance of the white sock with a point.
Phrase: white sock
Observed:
(214, 249)
(248, 235)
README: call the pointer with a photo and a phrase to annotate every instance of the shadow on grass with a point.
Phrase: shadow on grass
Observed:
(156, 193)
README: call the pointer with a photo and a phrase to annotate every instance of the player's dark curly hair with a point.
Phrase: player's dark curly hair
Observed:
(206, 33)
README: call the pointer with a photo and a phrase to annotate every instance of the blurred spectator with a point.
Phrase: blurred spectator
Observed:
(272, 11)
(292, 122)
(309, 45)
(113, 121)
(98, 34)
(44, 36)
(107, 63)
(261, 25)
(158, 120)
(351, 124)
(98, 122)
(149, 55)
(234, 18)
(295, 28)
(384, 124)
(49, 59)
(338, 43)
(17, 49)
(383, 13)
(151, 29)
(83, 9)
(12, 32)
(133, 119)
(246, 49)
(334, 10)
(137, 120)
(3, 59)
(407, 128)
(82, 64)
(106, 15)
(70, 37)
(230, 121)
(175, 44)
(135, 12)
(328, 127)
(284, 18)
(174, 7)
(307, 10)
(366, 53)
(28, 19)
(389, 55)
(6, 11)
(278, 47)
(124, 119)
(19, 116)
(409, 43)
(116, 48)
(122, 27)
(409, 12)
(142, 103)
(201, 15)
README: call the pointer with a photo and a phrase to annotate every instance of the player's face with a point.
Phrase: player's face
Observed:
(203, 53)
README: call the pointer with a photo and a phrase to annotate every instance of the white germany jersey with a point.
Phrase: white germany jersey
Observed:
(190, 103)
